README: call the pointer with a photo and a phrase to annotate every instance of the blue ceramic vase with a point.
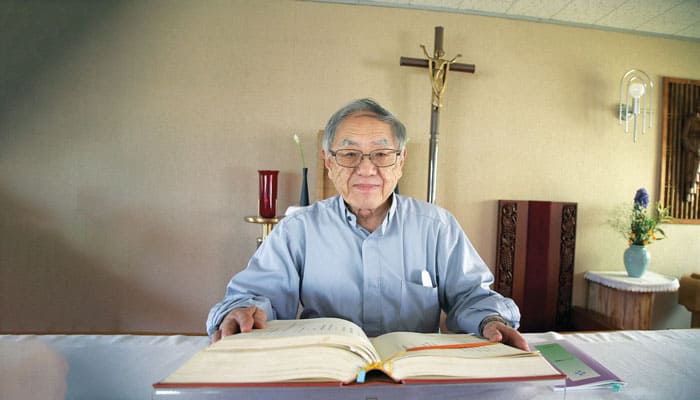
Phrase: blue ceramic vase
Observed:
(304, 197)
(637, 260)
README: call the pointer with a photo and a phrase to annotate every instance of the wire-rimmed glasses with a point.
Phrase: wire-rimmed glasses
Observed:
(352, 158)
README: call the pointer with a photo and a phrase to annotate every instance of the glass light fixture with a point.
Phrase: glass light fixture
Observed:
(637, 87)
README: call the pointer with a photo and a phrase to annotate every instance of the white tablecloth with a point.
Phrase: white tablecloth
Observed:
(90, 367)
(649, 282)
(656, 364)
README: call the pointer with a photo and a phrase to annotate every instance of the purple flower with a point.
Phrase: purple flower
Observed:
(641, 198)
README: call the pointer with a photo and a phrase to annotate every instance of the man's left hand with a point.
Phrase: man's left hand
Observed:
(496, 331)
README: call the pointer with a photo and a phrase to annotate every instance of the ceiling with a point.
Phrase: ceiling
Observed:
(676, 19)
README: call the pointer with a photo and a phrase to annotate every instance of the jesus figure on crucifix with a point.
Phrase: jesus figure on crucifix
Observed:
(438, 67)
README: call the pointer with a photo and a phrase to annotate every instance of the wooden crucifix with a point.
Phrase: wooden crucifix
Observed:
(438, 68)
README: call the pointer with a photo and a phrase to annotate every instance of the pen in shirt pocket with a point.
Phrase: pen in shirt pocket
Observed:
(426, 280)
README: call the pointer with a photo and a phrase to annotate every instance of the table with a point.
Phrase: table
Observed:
(659, 364)
(625, 302)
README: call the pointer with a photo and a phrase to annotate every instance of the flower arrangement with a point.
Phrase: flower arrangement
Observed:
(301, 151)
(639, 226)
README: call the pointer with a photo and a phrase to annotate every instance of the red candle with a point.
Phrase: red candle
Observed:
(268, 193)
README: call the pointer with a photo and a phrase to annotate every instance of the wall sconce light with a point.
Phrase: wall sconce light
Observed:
(637, 86)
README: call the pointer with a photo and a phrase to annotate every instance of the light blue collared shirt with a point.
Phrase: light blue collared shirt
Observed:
(321, 262)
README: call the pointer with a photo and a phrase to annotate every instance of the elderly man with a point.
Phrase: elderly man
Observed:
(381, 260)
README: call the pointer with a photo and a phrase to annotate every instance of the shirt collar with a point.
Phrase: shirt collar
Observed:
(391, 213)
(352, 218)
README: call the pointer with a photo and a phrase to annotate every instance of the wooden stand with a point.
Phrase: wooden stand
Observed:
(324, 185)
(266, 223)
(620, 302)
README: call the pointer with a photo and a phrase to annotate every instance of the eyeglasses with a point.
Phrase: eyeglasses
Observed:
(352, 158)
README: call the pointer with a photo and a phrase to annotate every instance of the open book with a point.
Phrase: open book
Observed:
(336, 350)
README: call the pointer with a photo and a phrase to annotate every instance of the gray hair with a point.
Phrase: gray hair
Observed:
(363, 105)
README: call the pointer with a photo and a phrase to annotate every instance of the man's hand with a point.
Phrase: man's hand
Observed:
(240, 320)
(496, 331)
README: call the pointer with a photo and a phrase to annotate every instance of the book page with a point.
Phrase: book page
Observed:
(392, 345)
(427, 356)
(305, 363)
(302, 332)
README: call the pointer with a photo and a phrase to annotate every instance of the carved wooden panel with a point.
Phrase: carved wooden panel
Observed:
(566, 270)
(535, 261)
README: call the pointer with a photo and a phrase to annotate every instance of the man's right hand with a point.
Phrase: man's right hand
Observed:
(240, 320)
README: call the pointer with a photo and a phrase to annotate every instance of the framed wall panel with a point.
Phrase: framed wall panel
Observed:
(680, 101)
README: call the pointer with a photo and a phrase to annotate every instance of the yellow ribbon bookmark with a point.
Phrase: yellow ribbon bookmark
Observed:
(369, 367)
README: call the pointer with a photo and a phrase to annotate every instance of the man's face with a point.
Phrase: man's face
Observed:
(365, 187)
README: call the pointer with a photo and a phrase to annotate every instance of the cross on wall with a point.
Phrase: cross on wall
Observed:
(438, 68)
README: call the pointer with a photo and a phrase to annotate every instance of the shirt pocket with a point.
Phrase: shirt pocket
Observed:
(420, 308)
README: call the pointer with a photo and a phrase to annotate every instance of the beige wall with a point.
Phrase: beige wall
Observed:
(131, 132)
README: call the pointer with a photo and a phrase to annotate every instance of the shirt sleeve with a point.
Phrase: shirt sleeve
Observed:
(270, 281)
(466, 294)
